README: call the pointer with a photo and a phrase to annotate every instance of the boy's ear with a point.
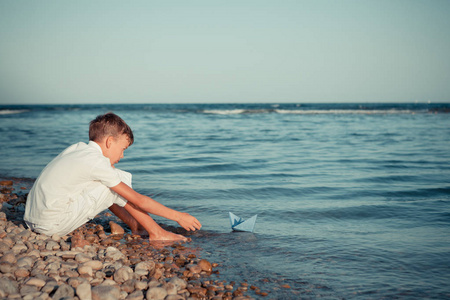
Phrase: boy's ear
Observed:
(109, 141)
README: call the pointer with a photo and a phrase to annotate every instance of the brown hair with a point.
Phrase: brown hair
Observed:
(109, 124)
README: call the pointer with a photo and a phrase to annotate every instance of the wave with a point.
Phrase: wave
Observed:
(345, 111)
(12, 111)
(242, 109)
(236, 111)
(310, 111)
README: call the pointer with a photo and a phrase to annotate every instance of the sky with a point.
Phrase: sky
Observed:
(69, 52)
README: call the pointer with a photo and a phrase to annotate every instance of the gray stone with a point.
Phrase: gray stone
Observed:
(94, 264)
(42, 296)
(49, 287)
(136, 295)
(171, 289)
(144, 267)
(35, 254)
(154, 283)
(56, 237)
(63, 291)
(4, 247)
(85, 271)
(178, 282)
(82, 257)
(28, 289)
(33, 296)
(52, 245)
(148, 265)
(64, 246)
(84, 291)
(25, 235)
(105, 292)
(26, 262)
(7, 268)
(8, 286)
(140, 285)
(76, 281)
(37, 282)
(69, 265)
(19, 247)
(156, 293)
(123, 274)
(8, 241)
(178, 297)
(114, 254)
(128, 286)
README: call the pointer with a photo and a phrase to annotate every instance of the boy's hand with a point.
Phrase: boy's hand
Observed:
(188, 222)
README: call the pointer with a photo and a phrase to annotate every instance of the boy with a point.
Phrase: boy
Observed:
(82, 182)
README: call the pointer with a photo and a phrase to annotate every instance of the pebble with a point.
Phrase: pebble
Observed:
(89, 264)
(123, 274)
(8, 257)
(8, 286)
(85, 271)
(116, 228)
(82, 258)
(6, 182)
(205, 265)
(25, 262)
(21, 273)
(64, 291)
(136, 295)
(37, 282)
(156, 293)
(105, 292)
(94, 264)
(83, 291)
(144, 267)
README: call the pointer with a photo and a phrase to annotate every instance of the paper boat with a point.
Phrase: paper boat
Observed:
(239, 224)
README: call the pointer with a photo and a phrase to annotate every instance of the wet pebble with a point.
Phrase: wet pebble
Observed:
(205, 265)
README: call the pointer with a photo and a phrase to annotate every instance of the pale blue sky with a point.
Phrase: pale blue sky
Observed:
(224, 51)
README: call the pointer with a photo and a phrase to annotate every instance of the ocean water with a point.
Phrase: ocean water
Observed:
(353, 200)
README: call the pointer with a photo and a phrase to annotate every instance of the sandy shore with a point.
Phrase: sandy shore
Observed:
(99, 261)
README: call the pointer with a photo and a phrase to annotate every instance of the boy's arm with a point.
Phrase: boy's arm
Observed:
(149, 205)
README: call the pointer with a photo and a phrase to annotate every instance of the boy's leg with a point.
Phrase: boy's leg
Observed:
(139, 221)
(125, 216)
(155, 232)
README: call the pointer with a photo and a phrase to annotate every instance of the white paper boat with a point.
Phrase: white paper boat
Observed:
(239, 224)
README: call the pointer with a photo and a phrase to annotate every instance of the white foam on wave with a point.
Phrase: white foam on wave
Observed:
(225, 112)
(12, 111)
(308, 112)
(343, 111)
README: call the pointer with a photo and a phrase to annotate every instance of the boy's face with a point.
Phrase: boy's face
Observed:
(116, 148)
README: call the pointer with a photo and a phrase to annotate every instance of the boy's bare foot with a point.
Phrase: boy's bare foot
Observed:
(167, 236)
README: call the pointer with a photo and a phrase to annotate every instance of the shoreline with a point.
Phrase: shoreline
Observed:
(93, 263)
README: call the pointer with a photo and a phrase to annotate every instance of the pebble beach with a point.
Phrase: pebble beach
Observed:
(99, 261)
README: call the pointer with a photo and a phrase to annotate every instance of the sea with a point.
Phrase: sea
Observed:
(352, 200)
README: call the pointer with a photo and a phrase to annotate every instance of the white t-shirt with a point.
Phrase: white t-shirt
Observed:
(64, 179)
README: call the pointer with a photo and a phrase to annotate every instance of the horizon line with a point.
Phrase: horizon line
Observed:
(224, 103)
